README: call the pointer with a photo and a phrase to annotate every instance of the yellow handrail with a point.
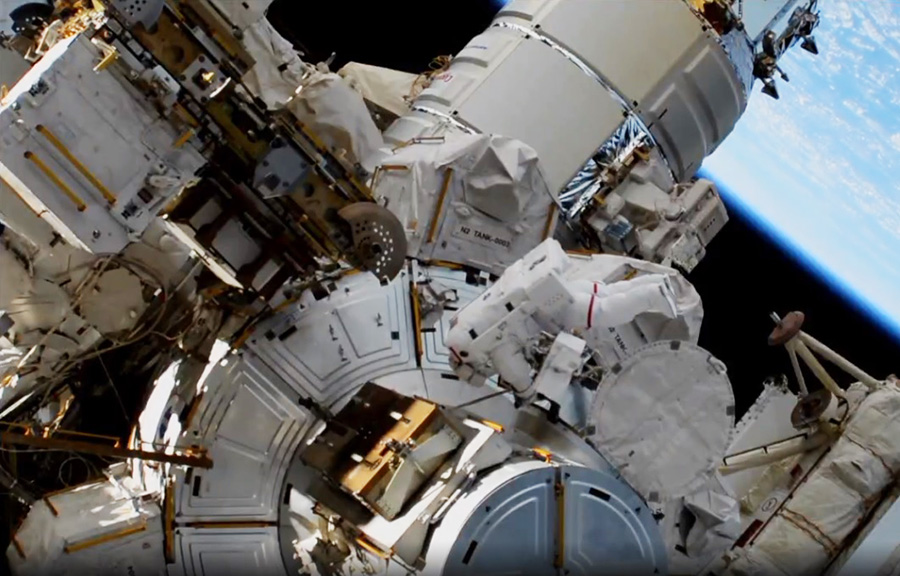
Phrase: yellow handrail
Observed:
(549, 223)
(49, 173)
(127, 531)
(372, 548)
(51, 137)
(432, 230)
(182, 140)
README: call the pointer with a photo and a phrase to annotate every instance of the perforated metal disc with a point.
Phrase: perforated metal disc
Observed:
(665, 418)
(566, 520)
(144, 12)
(378, 238)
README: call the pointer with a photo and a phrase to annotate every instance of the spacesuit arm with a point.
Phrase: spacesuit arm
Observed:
(598, 305)
(511, 364)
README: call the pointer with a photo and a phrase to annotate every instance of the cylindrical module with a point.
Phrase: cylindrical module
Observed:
(565, 76)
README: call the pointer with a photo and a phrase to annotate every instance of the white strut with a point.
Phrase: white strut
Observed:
(788, 333)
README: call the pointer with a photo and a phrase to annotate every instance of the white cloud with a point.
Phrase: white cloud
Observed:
(862, 44)
(841, 14)
(895, 139)
(871, 30)
(879, 76)
(855, 107)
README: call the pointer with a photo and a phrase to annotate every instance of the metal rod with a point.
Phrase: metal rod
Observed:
(839, 361)
(432, 230)
(818, 369)
(182, 140)
(104, 450)
(103, 539)
(792, 353)
(766, 456)
(417, 318)
(549, 224)
(559, 560)
(51, 137)
(49, 173)
(20, 197)
(482, 399)
(169, 521)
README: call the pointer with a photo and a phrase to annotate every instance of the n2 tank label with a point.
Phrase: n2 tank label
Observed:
(488, 239)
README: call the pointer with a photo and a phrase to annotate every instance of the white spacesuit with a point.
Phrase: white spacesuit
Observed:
(610, 305)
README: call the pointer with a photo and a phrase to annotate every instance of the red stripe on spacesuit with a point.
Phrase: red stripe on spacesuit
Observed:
(591, 306)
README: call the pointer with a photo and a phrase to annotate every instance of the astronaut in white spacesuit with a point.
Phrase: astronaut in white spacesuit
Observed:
(608, 305)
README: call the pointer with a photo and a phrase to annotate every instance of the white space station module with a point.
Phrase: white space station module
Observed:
(398, 324)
